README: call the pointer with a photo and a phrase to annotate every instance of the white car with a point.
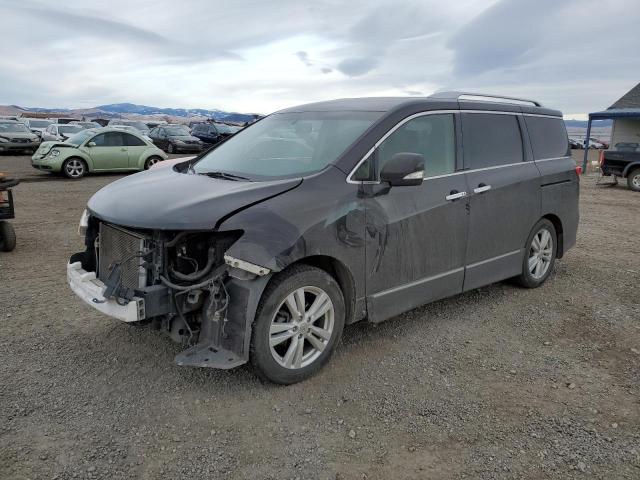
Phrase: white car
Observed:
(594, 144)
(37, 125)
(60, 132)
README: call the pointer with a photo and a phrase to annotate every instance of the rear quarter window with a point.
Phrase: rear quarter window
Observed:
(491, 139)
(548, 137)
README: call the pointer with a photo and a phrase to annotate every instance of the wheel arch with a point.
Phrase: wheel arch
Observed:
(630, 168)
(340, 273)
(557, 224)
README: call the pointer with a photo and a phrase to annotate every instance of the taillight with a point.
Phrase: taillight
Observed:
(601, 159)
(578, 170)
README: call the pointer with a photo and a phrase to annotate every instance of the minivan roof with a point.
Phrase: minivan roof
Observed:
(437, 101)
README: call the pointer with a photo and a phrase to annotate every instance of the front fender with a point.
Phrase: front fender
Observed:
(322, 217)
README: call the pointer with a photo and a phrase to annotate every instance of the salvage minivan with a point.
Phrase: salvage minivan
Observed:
(262, 249)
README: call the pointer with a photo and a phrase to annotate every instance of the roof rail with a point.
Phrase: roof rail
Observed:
(485, 97)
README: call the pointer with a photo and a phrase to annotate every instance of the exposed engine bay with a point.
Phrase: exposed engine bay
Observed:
(181, 283)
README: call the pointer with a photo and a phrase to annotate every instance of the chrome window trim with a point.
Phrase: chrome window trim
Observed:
(459, 172)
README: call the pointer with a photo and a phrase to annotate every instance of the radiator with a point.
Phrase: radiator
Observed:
(120, 246)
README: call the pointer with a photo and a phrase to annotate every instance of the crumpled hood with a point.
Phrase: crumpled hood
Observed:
(164, 199)
(45, 147)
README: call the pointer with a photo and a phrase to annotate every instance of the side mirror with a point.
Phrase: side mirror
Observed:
(404, 170)
(91, 144)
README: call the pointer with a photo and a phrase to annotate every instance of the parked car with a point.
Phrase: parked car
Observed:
(59, 133)
(36, 125)
(211, 133)
(262, 249)
(86, 124)
(97, 150)
(15, 137)
(140, 126)
(175, 139)
(593, 144)
(155, 123)
(576, 144)
(604, 143)
(623, 162)
(132, 130)
(65, 121)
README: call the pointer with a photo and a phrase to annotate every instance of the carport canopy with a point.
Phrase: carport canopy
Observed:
(610, 114)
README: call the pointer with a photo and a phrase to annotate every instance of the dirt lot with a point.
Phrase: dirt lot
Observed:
(500, 382)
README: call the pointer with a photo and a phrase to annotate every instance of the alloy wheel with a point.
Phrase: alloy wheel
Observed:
(74, 168)
(540, 253)
(152, 161)
(302, 327)
(635, 180)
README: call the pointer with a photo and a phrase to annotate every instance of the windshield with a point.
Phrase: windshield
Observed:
(13, 127)
(69, 128)
(287, 144)
(222, 128)
(78, 138)
(176, 130)
(39, 123)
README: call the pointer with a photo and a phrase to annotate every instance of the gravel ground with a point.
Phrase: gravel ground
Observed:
(500, 382)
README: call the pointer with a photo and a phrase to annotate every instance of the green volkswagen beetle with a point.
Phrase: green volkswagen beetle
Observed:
(97, 150)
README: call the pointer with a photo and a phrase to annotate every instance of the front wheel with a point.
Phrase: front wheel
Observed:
(74, 168)
(7, 237)
(298, 324)
(633, 180)
(540, 255)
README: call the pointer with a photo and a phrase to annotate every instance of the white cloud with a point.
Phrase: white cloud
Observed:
(258, 56)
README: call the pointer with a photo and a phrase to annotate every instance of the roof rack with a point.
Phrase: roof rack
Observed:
(485, 97)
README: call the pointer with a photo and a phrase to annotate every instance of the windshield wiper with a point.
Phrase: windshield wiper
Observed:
(224, 175)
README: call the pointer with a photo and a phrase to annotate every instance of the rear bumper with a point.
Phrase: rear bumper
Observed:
(89, 288)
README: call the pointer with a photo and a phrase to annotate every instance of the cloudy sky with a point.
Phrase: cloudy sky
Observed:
(260, 56)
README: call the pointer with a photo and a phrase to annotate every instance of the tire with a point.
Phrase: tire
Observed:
(171, 148)
(7, 237)
(633, 180)
(533, 277)
(285, 362)
(151, 161)
(74, 168)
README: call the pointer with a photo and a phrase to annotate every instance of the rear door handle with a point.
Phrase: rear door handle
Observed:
(482, 188)
(455, 195)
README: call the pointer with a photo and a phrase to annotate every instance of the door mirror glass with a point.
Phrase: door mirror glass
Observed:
(91, 144)
(403, 169)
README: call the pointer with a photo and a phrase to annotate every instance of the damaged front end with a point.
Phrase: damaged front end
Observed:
(180, 282)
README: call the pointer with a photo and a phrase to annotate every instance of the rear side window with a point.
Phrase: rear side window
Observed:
(132, 140)
(491, 140)
(548, 137)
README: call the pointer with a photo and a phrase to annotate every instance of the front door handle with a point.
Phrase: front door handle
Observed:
(482, 188)
(455, 195)
(123, 149)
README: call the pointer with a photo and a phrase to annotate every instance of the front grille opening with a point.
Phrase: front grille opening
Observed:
(117, 245)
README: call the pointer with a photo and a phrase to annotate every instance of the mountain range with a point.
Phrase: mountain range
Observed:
(116, 110)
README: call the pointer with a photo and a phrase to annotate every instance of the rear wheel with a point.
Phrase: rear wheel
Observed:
(74, 168)
(7, 237)
(298, 324)
(151, 161)
(633, 180)
(540, 255)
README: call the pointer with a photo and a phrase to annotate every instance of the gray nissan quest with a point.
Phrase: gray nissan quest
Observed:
(263, 248)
